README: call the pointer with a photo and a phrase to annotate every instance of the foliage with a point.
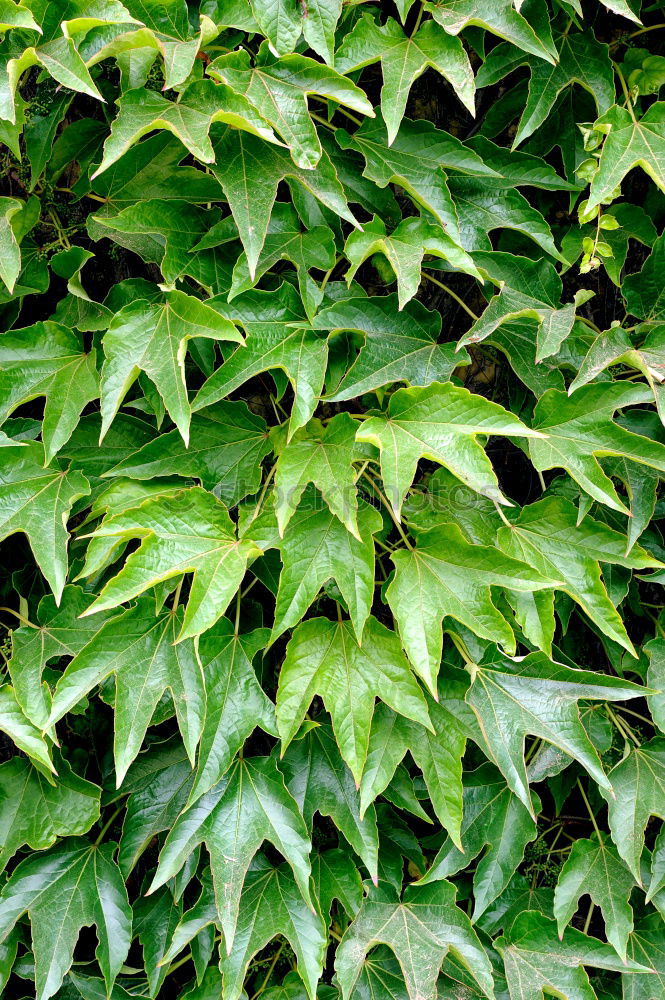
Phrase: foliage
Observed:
(332, 408)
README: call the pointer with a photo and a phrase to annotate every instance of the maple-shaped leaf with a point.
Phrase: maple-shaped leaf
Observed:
(629, 143)
(537, 960)
(249, 805)
(190, 532)
(166, 30)
(22, 732)
(615, 346)
(547, 536)
(399, 346)
(235, 701)
(141, 111)
(499, 17)
(271, 905)
(227, 445)
(10, 251)
(322, 455)
(581, 59)
(73, 885)
(320, 781)
(277, 338)
(496, 823)
(317, 547)
(594, 868)
(153, 338)
(48, 360)
(644, 292)
(417, 160)
(421, 930)
(637, 793)
(37, 502)
(554, 325)
(441, 423)
(14, 15)
(250, 173)
(446, 575)
(285, 240)
(60, 633)
(279, 87)
(403, 59)
(536, 696)
(437, 752)
(139, 649)
(579, 427)
(405, 248)
(325, 658)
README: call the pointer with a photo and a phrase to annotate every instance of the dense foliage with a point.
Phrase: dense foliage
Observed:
(332, 389)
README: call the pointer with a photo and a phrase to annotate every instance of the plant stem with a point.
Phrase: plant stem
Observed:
(626, 92)
(108, 823)
(389, 508)
(453, 295)
(589, 809)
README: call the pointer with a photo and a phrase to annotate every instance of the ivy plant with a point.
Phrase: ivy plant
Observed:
(332, 409)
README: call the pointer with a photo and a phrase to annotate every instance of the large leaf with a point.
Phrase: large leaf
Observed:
(69, 887)
(249, 805)
(190, 532)
(497, 16)
(636, 794)
(421, 931)
(325, 658)
(629, 144)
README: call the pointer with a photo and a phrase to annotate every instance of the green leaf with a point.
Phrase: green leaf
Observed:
(497, 16)
(554, 325)
(279, 87)
(316, 547)
(22, 732)
(280, 21)
(405, 248)
(271, 905)
(227, 445)
(547, 536)
(421, 931)
(48, 360)
(250, 172)
(580, 427)
(277, 338)
(36, 813)
(437, 752)
(73, 885)
(495, 822)
(325, 658)
(446, 576)
(142, 111)
(441, 423)
(10, 253)
(536, 696)
(59, 633)
(235, 701)
(190, 532)
(629, 144)
(536, 959)
(644, 294)
(637, 787)
(646, 947)
(416, 159)
(323, 456)
(249, 805)
(655, 650)
(398, 347)
(581, 59)
(403, 59)
(37, 502)
(593, 867)
(138, 648)
(319, 781)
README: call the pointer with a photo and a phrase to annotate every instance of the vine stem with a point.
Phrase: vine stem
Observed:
(626, 92)
(589, 810)
(21, 618)
(262, 494)
(108, 823)
(453, 295)
(388, 506)
(269, 973)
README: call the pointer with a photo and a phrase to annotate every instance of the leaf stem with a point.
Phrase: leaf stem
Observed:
(108, 823)
(453, 295)
(271, 969)
(589, 810)
(626, 92)
(21, 618)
